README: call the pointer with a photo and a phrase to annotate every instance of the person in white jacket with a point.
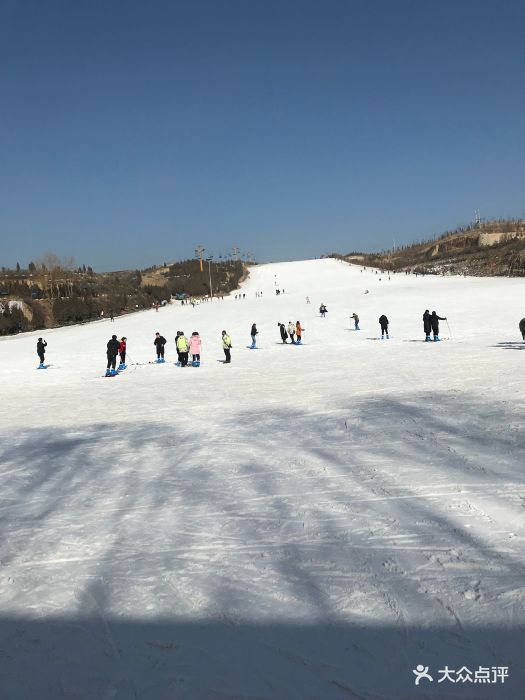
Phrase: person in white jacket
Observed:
(291, 331)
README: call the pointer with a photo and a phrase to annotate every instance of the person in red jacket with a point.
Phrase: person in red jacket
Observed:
(122, 352)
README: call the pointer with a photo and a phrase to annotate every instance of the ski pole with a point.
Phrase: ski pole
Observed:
(449, 331)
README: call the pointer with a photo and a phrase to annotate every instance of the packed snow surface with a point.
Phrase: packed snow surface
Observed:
(307, 522)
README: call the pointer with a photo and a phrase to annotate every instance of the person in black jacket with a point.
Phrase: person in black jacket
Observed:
(282, 329)
(159, 343)
(383, 322)
(522, 328)
(434, 322)
(254, 333)
(40, 350)
(112, 352)
(427, 325)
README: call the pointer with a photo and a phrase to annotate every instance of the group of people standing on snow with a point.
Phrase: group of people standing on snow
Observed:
(185, 347)
(294, 332)
(431, 324)
(115, 347)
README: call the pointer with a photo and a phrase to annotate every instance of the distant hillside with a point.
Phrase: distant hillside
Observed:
(486, 248)
(57, 293)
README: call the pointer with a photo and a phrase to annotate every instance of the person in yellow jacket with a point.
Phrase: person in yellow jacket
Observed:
(183, 347)
(226, 346)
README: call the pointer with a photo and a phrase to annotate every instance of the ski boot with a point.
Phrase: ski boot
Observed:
(162, 360)
(108, 372)
(428, 339)
(114, 372)
(387, 337)
(41, 366)
(436, 339)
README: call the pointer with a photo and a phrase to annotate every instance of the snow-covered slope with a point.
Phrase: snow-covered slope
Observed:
(307, 522)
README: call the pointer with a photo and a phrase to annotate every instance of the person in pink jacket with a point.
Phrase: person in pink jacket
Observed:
(195, 349)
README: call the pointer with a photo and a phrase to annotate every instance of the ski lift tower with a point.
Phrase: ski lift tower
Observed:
(199, 252)
(208, 260)
(477, 219)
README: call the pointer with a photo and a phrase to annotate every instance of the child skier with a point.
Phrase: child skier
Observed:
(291, 332)
(159, 343)
(183, 347)
(112, 352)
(195, 349)
(434, 322)
(299, 332)
(41, 351)
(383, 322)
(226, 346)
(122, 352)
(254, 332)
(282, 329)
(356, 321)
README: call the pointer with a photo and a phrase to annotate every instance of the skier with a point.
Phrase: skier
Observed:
(254, 332)
(383, 322)
(434, 322)
(159, 343)
(177, 348)
(299, 332)
(112, 352)
(323, 310)
(227, 346)
(195, 349)
(307, 300)
(522, 328)
(282, 329)
(111, 316)
(40, 351)
(356, 321)
(122, 352)
(183, 347)
(291, 332)
(427, 325)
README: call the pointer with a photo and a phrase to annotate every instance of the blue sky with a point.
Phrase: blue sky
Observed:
(131, 132)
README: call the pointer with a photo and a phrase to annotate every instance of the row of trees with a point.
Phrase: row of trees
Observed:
(50, 263)
(63, 299)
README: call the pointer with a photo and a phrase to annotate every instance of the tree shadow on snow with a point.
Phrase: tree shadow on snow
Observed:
(285, 556)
